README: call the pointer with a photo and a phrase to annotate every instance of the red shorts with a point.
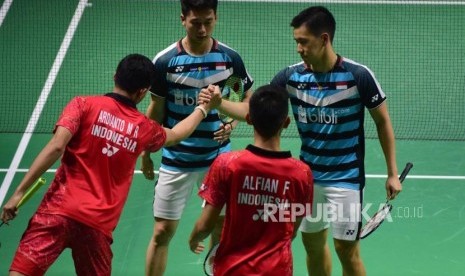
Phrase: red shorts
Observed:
(48, 235)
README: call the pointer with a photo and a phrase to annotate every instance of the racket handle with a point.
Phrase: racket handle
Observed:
(31, 191)
(404, 173)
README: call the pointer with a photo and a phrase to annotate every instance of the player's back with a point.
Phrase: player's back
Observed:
(98, 164)
(263, 187)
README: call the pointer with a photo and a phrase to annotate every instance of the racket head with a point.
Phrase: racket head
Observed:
(233, 91)
(208, 262)
(375, 221)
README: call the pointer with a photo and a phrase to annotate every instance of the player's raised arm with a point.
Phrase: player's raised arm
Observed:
(184, 129)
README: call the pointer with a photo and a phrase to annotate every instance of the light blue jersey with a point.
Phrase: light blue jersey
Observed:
(329, 112)
(180, 77)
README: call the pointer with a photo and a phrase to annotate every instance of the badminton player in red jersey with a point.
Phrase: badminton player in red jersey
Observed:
(100, 139)
(261, 187)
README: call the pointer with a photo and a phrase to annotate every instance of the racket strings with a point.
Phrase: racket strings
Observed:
(233, 91)
(376, 220)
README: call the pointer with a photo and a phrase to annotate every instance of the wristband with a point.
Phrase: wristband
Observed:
(204, 112)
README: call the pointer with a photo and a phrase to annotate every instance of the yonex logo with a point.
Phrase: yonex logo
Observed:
(179, 69)
(258, 215)
(350, 232)
(109, 150)
(301, 86)
(374, 98)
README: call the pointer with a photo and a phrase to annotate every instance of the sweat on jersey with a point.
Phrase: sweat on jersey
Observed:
(179, 80)
(92, 183)
(248, 182)
(329, 112)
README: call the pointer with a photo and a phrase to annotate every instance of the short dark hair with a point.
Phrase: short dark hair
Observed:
(134, 72)
(268, 108)
(317, 19)
(188, 5)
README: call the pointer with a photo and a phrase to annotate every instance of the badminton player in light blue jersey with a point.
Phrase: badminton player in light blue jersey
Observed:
(328, 95)
(184, 68)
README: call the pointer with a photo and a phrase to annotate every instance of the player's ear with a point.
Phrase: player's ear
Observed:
(247, 119)
(141, 94)
(183, 19)
(286, 122)
(325, 38)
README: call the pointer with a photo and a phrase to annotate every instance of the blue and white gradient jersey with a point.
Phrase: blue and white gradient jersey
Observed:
(329, 112)
(180, 77)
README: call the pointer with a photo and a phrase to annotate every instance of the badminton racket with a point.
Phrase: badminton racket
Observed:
(375, 221)
(29, 193)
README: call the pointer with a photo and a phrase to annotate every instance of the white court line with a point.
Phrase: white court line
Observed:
(442, 177)
(370, 2)
(42, 99)
(4, 10)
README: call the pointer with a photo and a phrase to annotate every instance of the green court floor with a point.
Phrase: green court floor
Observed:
(426, 236)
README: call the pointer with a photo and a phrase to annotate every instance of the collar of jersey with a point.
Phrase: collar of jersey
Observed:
(122, 99)
(268, 153)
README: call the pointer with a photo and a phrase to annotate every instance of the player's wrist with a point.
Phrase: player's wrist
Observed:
(203, 110)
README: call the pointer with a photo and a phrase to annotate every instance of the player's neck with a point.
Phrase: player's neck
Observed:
(123, 93)
(120, 91)
(271, 144)
(327, 63)
(197, 48)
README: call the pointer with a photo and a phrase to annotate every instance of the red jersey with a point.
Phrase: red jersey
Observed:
(92, 183)
(253, 241)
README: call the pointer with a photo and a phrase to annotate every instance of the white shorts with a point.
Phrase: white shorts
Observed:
(172, 191)
(337, 208)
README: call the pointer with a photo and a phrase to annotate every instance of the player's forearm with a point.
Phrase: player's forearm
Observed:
(238, 111)
(198, 236)
(184, 129)
(205, 224)
(44, 160)
(387, 141)
(201, 231)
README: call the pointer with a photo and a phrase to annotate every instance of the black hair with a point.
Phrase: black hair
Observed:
(317, 19)
(134, 72)
(188, 5)
(268, 109)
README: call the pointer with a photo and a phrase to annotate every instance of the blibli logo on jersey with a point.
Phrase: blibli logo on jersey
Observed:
(182, 98)
(320, 116)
